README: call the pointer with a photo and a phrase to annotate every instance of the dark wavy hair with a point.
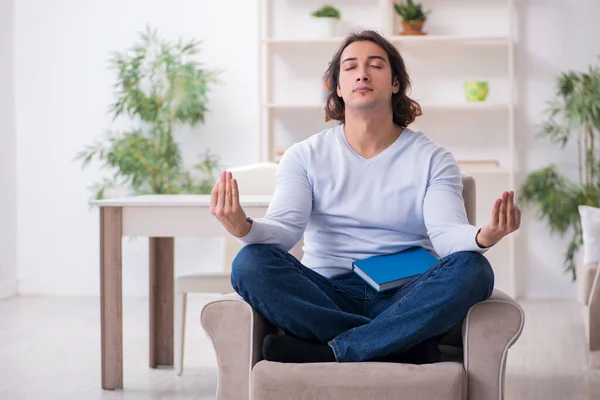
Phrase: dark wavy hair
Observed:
(405, 109)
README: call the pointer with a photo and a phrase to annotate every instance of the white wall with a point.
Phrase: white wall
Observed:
(8, 154)
(555, 35)
(63, 91)
(63, 88)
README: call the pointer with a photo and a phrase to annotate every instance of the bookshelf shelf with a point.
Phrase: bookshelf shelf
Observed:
(475, 40)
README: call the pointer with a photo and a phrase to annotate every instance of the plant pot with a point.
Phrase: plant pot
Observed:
(413, 28)
(476, 91)
(324, 27)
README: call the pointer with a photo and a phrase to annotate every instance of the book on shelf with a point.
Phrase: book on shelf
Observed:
(478, 164)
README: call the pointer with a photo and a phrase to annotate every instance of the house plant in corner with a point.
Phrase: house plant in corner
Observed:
(574, 115)
(160, 87)
(326, 18)
(413, 17)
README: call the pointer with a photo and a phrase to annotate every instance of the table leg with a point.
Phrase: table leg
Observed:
(162, 288)
(111, 301)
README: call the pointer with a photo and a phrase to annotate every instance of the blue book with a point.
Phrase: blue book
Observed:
(390, 271)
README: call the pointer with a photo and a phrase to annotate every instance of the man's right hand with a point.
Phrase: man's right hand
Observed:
(225, 205)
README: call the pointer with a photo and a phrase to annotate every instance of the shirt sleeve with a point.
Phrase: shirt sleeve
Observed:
(444, 210)
(290, 207)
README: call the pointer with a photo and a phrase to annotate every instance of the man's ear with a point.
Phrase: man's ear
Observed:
(338, 90)
(395, 86)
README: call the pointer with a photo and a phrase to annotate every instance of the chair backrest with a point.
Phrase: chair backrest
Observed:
(260, 179)
(469, 197)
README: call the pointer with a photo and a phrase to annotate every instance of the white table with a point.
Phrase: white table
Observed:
(161, 218)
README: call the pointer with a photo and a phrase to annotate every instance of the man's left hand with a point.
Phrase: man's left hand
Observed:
(506, 218)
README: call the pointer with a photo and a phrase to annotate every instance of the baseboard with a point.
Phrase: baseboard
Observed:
(8, 288)
(34, 287)
(64, 287)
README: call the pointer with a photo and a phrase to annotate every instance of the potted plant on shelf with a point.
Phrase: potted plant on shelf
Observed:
(159, 88)
(573, 115)
(413, 17)
(327, 18)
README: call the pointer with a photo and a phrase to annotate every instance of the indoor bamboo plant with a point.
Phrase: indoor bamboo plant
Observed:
(573, 115)
(160, 87)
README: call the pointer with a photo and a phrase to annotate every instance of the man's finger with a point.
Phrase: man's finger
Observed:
(222, 184)
(496, 213)
(228, 190)
(502, 214)
(214, 196)
(517, 217)
(510, 214)
(235, 194)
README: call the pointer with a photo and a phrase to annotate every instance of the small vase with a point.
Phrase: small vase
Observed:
(325, 27)
(476, 91)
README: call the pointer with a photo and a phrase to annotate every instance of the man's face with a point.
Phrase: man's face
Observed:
(366, 77)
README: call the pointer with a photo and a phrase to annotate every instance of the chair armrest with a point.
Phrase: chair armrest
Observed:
(593, 319)
(237, 333)
(489, 330)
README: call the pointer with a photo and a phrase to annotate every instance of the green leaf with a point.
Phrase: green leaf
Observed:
(410, 11)
(327, 11)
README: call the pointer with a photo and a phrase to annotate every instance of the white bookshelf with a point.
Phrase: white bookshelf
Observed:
(465, 40)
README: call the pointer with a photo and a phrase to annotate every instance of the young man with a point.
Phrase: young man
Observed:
(367, 187)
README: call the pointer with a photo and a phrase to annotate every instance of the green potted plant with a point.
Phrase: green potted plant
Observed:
(574, 114)
(413, 17)
(160, 87)
(327, 18)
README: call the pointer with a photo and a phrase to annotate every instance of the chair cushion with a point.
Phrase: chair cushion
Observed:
(364, 380)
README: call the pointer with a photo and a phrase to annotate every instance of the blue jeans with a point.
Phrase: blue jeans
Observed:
(356, 321)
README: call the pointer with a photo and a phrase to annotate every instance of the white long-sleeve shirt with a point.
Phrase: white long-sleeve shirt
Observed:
(349, 207)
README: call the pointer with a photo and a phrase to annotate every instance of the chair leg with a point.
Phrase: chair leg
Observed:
(180, 311)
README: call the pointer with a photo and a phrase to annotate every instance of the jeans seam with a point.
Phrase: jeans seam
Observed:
(433, 274)
(336, 350)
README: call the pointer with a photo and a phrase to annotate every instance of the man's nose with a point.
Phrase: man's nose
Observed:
(362, 77)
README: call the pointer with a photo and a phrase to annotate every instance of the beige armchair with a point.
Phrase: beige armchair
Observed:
(482, 342)
(588, 277)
